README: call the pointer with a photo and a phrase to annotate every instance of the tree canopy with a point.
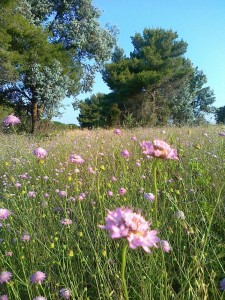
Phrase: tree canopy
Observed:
(157, 83)
(49, 50)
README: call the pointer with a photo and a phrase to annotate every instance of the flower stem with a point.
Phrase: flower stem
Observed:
(124, 252)
(155, 190)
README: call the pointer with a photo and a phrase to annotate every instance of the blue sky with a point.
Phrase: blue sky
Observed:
(200, 23)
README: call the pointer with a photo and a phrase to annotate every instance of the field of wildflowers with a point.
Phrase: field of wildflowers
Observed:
(113, 214)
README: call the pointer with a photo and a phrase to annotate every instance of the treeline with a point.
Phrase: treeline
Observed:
(52, 49)
(156, 85)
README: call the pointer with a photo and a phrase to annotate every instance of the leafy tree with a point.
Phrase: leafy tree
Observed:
(97, 111)
(220, 115)
(54, 48)
(157, 84)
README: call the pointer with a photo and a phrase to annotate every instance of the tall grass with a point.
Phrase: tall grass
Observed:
(81, 256)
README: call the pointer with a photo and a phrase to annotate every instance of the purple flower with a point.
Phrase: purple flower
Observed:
(117, 131)
(133, 138)
(4, 297)
(74, 158)
(40, 152)
(17, 185)
(4, 213)
(149, 196)
(122, 191)
(124, 223)
(110, 193)
(5, 276)
(39, 298)
(11, 120)
(125, 153)
(64, 293)
(159, 149)
(165, 246)
(222, 133)
(37, 277)
(222, 284)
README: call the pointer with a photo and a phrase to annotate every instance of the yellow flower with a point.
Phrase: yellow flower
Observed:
(70, 253)
(102, 167)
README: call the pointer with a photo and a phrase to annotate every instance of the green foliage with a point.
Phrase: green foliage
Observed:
(49, 50)
(157, 84)
(220, 115)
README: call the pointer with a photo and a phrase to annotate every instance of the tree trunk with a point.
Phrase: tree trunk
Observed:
(34, 115)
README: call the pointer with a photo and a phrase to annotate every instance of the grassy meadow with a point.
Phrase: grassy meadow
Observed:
(57, 206)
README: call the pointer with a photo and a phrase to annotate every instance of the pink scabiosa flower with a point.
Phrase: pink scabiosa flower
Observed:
(77, 159)
(66, 221)
(11, 120)
(5, 276)
(4, 213)
(222, 284)
(64, 293)
(37, 277)
(40, 152)
(125, 153)
(117, 131)
(149, 196)
(165, 246)
(62, 193)
(25, 237)
(124, 223)
(122, 191)
(31, 194)
(110, 193)
(159, 149)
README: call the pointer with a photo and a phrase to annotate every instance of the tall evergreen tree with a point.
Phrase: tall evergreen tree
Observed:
(157, 83)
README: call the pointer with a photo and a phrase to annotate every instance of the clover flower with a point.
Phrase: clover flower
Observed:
(124, 223)
(5, 276)
(40, 152)
(11, 120)
(37, 277)
(4, 213)
(159, 149)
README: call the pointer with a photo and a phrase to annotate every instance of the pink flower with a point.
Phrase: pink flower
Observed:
(40, 298)
(133, 138)
(25, 237)
(11, 120)
(159, 149)
(17, 185)
(66, 221)
(122, 191)
(124, 223)
(149, 196)
(74, 158)
(165, 246)
(125, 153)
(3, 297)
(5, 276)
(117, 131)
(110, 193)
(4, 213)
(37, 277)
(40, 152)
(222, 284)
(64, 293)
(31, 194)
(62, 193)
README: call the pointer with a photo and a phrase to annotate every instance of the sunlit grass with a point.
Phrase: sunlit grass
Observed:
(81, 257)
